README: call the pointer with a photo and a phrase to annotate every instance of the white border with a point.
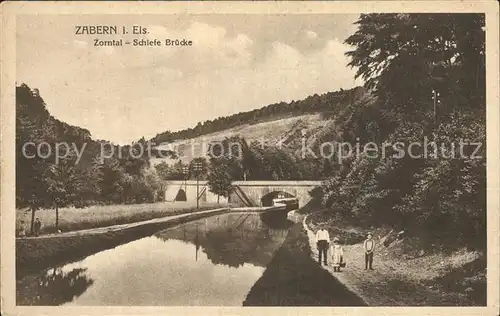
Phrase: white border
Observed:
(11, 9)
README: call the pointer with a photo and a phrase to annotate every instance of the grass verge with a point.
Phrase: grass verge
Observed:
(71, 219)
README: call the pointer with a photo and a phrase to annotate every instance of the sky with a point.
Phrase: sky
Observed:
(236, 63)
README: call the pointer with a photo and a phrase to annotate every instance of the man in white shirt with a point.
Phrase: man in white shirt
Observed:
(322, 239)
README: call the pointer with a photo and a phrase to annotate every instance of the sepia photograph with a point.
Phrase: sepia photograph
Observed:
(310, 155)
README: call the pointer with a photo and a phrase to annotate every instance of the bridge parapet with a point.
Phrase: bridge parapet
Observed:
(249, 193)
(281, 183)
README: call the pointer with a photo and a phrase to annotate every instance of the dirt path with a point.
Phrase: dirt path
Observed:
(354, 271)
(293, 278)
(383, 286)
(395, 281)
(114, 228)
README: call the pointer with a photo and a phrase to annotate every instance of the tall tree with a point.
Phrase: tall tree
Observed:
(231, 152)
(219, 181)
(163, 170)
(403, 57)
(65, 185)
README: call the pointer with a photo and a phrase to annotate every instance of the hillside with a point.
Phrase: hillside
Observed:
(272, 132)
(327, 102)
(272, 124)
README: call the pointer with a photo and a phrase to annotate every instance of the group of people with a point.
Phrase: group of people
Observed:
(336, 250)
(37, 226)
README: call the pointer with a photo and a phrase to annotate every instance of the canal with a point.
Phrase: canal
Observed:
(210, 262)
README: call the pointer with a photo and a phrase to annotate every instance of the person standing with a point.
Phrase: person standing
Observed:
(322, 239)
(37, 227)
(337, 253)
(22, 230)
(369, 246)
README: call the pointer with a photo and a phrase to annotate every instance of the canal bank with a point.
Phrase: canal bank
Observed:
(223, 257)
(212, 261)
(38, 253)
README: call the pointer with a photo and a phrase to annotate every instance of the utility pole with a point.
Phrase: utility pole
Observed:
(185, 170)
(197, 169)
(435, 98)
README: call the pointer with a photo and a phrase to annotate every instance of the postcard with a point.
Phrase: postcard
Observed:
(237, 158)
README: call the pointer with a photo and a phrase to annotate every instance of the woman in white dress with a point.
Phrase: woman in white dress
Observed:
(337, 253)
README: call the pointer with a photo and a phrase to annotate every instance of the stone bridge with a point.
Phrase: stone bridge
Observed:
(245, 193)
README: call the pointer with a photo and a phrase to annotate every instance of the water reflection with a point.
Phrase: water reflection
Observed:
(231, 239)
(56, 287)
(213, 261)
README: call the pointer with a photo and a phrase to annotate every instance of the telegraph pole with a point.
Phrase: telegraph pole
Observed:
(435, 98)
(185, 170)
(197, 169)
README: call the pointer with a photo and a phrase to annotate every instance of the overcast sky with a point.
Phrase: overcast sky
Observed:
(237, 63)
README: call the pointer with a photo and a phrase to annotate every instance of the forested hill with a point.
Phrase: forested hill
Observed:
(81, 176)
(327, 102)
(32, 113)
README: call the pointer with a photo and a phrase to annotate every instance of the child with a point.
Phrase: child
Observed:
(337, 253)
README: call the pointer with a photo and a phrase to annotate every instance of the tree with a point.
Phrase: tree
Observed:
(155, 184)
(110, 182)
(42, 183)
(219, 181)
(230, 152)
(403, 57)
(162, 170)
(176, 172)
(64, 184)
(35, 203)
(273, 163)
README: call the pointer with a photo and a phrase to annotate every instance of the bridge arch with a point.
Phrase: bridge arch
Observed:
(267, 199)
